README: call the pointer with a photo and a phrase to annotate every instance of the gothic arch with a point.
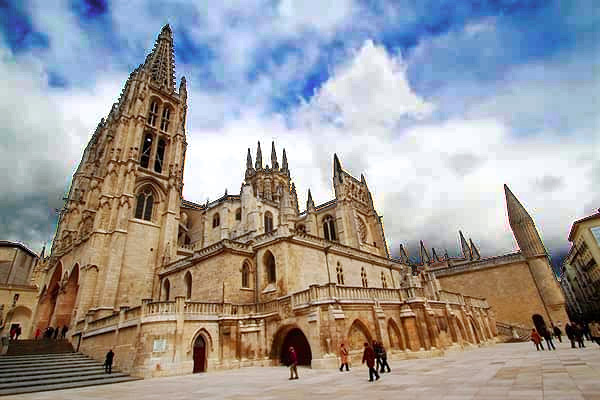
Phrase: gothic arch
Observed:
(291, 334)
(47, 301)
(395, 335)
(187, 279)
(462, 330)
(207, 339)
(158, 189)
(477, 334)
(270, 267)
(358, 334)
(65, 303)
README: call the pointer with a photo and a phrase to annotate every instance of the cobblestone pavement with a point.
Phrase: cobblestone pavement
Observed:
(502, 371)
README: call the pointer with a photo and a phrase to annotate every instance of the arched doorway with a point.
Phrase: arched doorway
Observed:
(48, 298)
(475, 333)
(296, 339)
(358, 335)
(199, 354)
(540, 324)
(395, 336)
(65, 303)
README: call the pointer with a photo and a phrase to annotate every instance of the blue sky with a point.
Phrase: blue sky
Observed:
(439, 103)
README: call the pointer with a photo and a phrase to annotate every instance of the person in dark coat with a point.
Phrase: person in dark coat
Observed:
(293, 357)
(18, 332)
(49, 332)
(548, 338)
(369, 357)
(537, 339)
(557, 332)
(578, 332)
(109, 361)
(570, 332)
(63, 332)
(377, 352)
(383, 358)
(55, 335)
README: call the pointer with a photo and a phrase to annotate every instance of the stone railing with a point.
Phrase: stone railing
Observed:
(160, 307)
(133, 313)
(451, 297)
(512, 333)
(196, 307)
(104, 322)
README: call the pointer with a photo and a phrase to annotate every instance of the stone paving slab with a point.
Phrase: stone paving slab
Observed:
(503, 371)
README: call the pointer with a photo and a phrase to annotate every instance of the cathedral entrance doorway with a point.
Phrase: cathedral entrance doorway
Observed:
(65, 303)
(199, 355)
(296, 339)
(48, 298)
(540, 324)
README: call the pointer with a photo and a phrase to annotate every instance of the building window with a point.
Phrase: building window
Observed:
(145, 202)
(238, 214)
(216, 220)
(245, 275)
(164, 123)
(301, 228)
(329, 228)
(363, 277)
(146, 150)
(270, 267)
(153, 114)
(268, 222)
(340, 274)
(383, 280)
(188, 285)
(166, 290)
(160, 155)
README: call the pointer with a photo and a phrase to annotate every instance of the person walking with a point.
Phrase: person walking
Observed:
(595, 332)
(585, 330)
(63, 332)
(578, 332)
(18, 332)
(557, 332)
(383, 359)
(537, 339)
(548, 338)
(293, 357)
(570, 332)
(369, 357)
(55, 335)
(109, 361)
(377, 351)
(344, 357)
(13, 332)
(38, 332)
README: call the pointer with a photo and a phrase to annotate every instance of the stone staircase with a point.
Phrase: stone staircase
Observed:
(51, 370)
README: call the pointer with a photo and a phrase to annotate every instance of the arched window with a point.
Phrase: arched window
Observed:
(216, 220)
(166, 290)
(238, 214)
(270, 267)
(301, 228)
(340, 274)
(329, 228)
(160, 155)
(383, 280)
(188, 285)
(146, 150)
(153, 114)
(268, 222)
(145, 202)
(363, 277)
(245, 275)
(164, 123)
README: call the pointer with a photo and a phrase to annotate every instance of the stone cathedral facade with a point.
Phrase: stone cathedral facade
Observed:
(176, 287)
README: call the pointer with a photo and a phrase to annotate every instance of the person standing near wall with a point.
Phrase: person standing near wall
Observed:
(369, 357)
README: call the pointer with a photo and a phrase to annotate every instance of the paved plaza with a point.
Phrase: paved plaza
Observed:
(503, 371)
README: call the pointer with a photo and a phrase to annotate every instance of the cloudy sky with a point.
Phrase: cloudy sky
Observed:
(438, 103)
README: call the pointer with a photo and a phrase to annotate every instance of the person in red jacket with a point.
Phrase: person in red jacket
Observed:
(537, 339)
(369, 357)
(293, 357)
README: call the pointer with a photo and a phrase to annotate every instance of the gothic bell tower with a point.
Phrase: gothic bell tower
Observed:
(122, 211)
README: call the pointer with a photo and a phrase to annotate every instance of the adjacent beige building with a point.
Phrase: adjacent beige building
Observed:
(177, 287)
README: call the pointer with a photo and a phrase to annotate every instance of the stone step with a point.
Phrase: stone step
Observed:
(67, 385)
(60, 372)
(68, 379)
(55, 366)
(65, 356)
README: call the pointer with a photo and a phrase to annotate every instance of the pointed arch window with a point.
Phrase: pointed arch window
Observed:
(329, 228)
(164, 122)
(166, 290)
(146, 150)
(363, 277)
(383, 280)
(238, 214)
(245, 275)
(270, 267)
(216, 220)
(160, 155)
(188, 285)
(268, 222)
(145, 202)
(340, 274)
(153, 114)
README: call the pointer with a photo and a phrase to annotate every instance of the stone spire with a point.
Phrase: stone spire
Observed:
(310, 204)
(434, 256)
(284, 163)
(160, 63)
(274, 163)
(474, 251)
(465, 247)
(294, 196)
(523, 227)
(423, 254)
(337, 168)
(249, 161)
(258, 162)
(403, 255)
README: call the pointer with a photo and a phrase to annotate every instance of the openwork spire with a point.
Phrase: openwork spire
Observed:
(465, 247)
(523, 227)
(310, 204)
(474, 251)
(284, 163)
(274, 163)
(423, 254)
(404, 255)
(160, 63)
(258, 161)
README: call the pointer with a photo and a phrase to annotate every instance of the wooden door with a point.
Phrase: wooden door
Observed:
(199, 355)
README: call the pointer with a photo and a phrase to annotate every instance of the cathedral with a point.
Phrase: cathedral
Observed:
(175, 287)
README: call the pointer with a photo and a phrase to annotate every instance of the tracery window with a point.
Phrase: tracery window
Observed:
(188, 285)
(270, 267)
(146, 150)
(166, 290)
(245, 275)
(153, 114)
(329, 228)
(216, 220)
(340, 274)
(363, 277)
(268, 222)
(383, 280)
(160, 155)
(164, 123)
(145, 202)
(238, 214)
